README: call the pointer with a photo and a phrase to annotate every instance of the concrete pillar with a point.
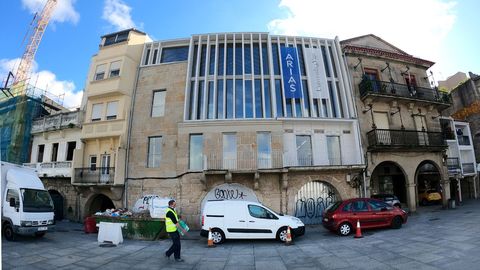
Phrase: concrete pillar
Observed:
(459, 190)
(411, 197)
(283, 190)
(445, 192)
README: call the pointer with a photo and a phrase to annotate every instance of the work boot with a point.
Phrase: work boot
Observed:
(179, 260)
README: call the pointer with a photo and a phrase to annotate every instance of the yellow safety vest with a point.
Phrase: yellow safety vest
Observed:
(170, 226)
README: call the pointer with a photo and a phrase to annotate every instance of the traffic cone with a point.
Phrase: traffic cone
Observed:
(210, 238)
(288, 241)
(358, 234)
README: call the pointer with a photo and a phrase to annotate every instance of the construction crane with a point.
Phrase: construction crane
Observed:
(40, 22)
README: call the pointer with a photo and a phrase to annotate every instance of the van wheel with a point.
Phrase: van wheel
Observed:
(282, 234)
(218, 236)
(397, 222)
(8, 232)
(345, 229)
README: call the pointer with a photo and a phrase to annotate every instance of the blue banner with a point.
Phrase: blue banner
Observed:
(291, 74)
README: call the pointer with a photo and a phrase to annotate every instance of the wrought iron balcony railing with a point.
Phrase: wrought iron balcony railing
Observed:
(392, 138)
(94, 175)
(368, 87)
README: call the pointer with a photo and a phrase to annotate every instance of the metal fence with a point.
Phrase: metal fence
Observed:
(381, 138)
(96, 175)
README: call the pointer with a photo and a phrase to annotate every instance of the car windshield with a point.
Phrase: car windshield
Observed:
(35, 200)
(333, 207)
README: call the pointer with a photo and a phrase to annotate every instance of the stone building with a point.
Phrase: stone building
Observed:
(248, 116)
(399, 120)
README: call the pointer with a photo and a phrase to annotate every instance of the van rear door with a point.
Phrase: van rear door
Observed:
(236, 220)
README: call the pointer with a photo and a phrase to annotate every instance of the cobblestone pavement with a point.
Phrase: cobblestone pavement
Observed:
(432, 239)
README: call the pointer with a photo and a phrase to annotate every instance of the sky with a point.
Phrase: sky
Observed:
(442, 31)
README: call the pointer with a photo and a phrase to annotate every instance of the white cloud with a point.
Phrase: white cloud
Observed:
(417, 27)
(46, 80)
(117, 13)
(63, 12)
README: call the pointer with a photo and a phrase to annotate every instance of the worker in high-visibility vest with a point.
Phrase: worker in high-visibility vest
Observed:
(172, 225)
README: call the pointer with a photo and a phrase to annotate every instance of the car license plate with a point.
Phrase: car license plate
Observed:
(42, 228)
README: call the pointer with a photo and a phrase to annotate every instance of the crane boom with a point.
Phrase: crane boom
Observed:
(26, 62)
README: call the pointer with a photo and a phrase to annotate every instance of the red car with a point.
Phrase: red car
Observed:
(342, 216)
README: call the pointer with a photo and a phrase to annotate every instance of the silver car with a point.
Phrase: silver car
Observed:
(389, 199)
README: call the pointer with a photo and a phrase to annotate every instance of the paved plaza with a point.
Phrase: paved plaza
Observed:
(432, 239)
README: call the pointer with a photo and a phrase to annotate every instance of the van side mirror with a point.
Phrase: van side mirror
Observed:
(12, 202)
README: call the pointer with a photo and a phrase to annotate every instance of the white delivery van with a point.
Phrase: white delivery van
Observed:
(246, 220)
(27, 208)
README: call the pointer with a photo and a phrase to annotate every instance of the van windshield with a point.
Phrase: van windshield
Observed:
(35, 200)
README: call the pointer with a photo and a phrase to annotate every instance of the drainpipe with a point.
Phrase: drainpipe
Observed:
(129, 131)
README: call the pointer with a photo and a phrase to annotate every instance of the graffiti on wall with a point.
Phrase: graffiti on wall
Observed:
(312, 200)
(231, 191)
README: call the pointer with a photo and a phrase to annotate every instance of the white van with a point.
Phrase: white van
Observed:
(246, 220)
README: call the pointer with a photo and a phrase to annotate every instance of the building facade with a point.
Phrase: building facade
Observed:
(246, 116)
(399, 120)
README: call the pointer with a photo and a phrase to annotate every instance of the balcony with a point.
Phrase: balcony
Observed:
(468, 168)
(463, 140)
(453, 165)
(107, 128)
(396, 90)
(409, 140)
(244, 161)
(52, 169)
(56, 122)
(95, 176)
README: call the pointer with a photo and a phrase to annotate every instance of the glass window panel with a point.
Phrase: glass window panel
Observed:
(154, 152)
(211, 105)
(109, 40)
(248, 99)
(301, 60)
(203, 55)
(324, 107)
(247, 56)
(175, 54)
(155, 53)
(219, 99)
(264, 150)
(306, 98)
(41, 150)
(194, 62)
(340, 100)
(268, 99)
(147, 56)
(316, 104)
(229, 106)
(229, 150)
(238, 59)
(333, 99)
(279, 98)
(276, 59)
(211, 68)
(115, 69)
(258, 99)
(325, 62)
(238, 98)
(122, 36)
(265, 63)
(304, 150)
(221, 52)
(112, 109)
(256, 59)
(334, 154)
(200, 99)
(158, 106)
(100, 72)
(97, 112)
(289, 107)
(196, 152)
(333, 62)
(298, 108)
(230, 59)
(192, 100)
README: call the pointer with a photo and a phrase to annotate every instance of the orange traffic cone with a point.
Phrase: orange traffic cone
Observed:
(210, 238)
(288, 240)
(358, 234)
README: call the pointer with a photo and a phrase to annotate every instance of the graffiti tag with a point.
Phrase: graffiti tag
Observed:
(229, 194)
(310, 210)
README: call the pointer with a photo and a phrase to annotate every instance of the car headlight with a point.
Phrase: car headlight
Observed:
(297, 220)
(25, 223)
(51, 221)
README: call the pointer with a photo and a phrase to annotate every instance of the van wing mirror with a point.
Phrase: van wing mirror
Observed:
(12, 202)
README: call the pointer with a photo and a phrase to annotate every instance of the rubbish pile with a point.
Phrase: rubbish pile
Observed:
(121, 212)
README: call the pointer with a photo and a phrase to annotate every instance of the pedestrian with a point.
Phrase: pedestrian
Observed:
(172, 225)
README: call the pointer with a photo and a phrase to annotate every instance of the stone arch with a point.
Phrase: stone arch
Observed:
(229, 191)
(97, 202)
(391, 178)
(58, 203)
(428, 175)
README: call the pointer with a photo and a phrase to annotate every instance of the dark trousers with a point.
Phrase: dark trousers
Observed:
(176, 246)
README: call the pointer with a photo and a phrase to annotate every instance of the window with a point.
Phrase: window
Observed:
(229, 151)
(174, 54)
(12, 193)
(304, 150)
(359, 206)
(279, 101)
(100, 72)
(158, 106)
(54, 152)
(258, 99)
(115, 69)
(248, 99)
(333, 147)
(97, 112)
(219, 99)
(260, 212)
(116, 38)
(378, 206)
(238, 98)
(41, 150)
(196, 151)
(112, 110)
(70, 148)
(210, 107)
(203, 56)
(155, 54)
(268, 105)
(276, 59)
(229, 105)
(200, 99)
(154, 152)
(211, 68)
(93, 163)
(264, 150)
(147, 56)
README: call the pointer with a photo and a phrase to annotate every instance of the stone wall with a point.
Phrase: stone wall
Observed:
(70, 197)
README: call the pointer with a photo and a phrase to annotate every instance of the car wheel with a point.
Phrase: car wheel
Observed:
(218, 236)
(345, 229)
(39, 234)
(8, 232)
(398, 205)
(397, 222)
(424, 202)
(282, 234)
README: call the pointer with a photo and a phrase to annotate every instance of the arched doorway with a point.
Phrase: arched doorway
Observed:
(428, 179)
(57, 199)
(312, 199)
(389, 178)
(230, 191)
(100, 203)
